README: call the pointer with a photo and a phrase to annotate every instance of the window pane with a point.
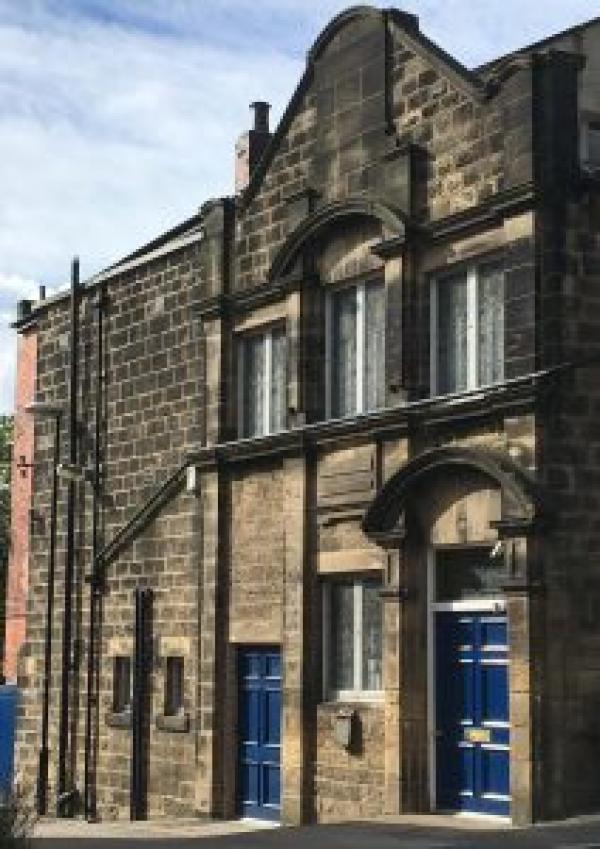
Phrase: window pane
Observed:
(343, 353)
(174, 686)
(594, 144)
(342, 637)
(490, 349)
(371, 637)
(468, 572)
(278, 381)
(254, 379)
(452, 334)
(374, 346)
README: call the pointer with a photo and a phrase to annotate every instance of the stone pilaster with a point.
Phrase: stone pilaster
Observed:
(521, 766)
(295, 647)
(208, 770)
(518, 610)
(393, 683)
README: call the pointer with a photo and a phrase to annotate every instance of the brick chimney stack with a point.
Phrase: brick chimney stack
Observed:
(251, 145)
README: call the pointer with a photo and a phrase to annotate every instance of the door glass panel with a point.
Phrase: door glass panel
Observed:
(467, 573)
(342, 636)
(452, 334)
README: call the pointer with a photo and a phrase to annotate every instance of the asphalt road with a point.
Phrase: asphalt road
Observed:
(361, 836)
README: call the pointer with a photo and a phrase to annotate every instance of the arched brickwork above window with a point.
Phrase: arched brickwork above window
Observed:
(329, 214)
(522, 502)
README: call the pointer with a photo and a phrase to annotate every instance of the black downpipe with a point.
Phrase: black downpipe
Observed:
(42, 785)
(64, 804)
(96, 588)
(140, 712)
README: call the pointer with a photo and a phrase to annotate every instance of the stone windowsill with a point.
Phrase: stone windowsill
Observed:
(336, 705)
(119, 720)
(178, 724)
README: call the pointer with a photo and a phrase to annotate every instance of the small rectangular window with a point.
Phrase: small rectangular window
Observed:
(262, 374)
(174, 686)
(121, 684)
(352, 639)
(356, 344)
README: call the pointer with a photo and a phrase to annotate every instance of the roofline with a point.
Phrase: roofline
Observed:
(536, 45)
(171, 240)
(159, 240)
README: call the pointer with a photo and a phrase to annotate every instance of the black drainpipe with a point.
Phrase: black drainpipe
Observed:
(96, 583)
(66, 792)
(140, 712)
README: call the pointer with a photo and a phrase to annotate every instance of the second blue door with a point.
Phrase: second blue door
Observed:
(259, 730)
(472, 728)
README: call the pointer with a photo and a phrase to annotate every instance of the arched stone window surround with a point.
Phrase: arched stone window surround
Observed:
(328, 214)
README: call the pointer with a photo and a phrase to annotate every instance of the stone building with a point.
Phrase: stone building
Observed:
(349, 459)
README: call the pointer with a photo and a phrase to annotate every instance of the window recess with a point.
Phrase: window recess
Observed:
(262, 382)
(355, 375)
(352, 640)
(174, 686)
(467, 329)
(121, 685)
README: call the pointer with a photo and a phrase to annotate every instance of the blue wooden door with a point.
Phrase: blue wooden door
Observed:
(472, 728)
(8, 718)
(259, 728)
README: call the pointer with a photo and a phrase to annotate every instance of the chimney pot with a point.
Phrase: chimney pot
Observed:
(261, 115)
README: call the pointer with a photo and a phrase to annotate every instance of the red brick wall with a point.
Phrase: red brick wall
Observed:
(16, 596)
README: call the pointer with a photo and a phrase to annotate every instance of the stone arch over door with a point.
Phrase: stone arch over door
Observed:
(451, 496)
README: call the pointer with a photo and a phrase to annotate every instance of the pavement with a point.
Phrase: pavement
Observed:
(408, 832)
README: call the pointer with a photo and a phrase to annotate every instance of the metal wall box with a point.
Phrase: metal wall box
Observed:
(343, 728)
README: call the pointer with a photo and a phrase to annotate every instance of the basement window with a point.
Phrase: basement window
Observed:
(174, 686)
(467, 329)
(121, 684)
(355, 350)
(352, 640)
(262, 382)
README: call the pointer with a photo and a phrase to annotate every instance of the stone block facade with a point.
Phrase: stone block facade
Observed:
(394, 170)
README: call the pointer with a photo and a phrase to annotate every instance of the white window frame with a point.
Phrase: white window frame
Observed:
(355, 694)
(472, 329)
(361, 344)
(267, 334)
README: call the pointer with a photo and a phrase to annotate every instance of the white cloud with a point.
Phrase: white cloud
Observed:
(118, 117)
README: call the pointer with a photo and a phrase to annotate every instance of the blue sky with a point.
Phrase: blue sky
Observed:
(118, 117)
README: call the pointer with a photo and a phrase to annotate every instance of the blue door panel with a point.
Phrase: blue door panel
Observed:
(494, 692)
(272, 786)
(473, 733)
(272, 702)
(259, 730)
(494, 772)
